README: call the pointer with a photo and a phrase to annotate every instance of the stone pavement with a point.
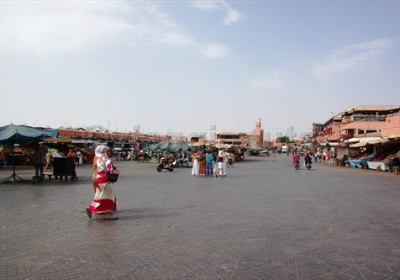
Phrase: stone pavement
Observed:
(264, 220)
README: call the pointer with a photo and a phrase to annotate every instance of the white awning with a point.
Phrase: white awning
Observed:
(358, 145)
(392, 136)
(352, 140)
(82, 141)
(377, 141)
(369, 141)
(221, 146)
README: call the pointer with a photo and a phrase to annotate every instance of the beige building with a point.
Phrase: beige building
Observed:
(360, 121)
(232, 138)
(227, 138)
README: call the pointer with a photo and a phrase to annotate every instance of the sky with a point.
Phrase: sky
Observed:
(183, 66)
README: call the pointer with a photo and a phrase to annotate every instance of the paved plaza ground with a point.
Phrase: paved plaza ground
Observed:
(264, 220)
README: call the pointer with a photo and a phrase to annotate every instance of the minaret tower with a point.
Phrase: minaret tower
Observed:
(258, 133)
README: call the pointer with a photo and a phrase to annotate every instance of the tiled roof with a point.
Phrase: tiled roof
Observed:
(227, 132)
(371, 108)
(365, 125)
(333, 137)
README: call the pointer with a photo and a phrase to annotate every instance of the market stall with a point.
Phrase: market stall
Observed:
(64, 167)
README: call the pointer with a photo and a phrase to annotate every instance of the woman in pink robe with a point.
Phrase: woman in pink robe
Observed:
(104, 201)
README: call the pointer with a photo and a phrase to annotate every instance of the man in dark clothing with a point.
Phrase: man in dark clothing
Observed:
(38, 161)
(308, 159)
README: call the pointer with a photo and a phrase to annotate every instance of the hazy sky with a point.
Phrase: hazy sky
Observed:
(181, 66)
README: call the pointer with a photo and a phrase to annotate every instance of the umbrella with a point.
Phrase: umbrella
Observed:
(19, 134)
(170, 146)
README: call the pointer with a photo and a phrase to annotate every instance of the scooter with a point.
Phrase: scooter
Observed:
(163, 164)
(308, 164)
(181, 162)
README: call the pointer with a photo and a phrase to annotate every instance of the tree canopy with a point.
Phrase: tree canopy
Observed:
(283, 139)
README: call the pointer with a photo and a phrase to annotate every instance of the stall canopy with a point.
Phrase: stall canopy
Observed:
(170, 146)
(362, 142)
(20, 134)
(57, 140)
(67, 140)
(223, 146)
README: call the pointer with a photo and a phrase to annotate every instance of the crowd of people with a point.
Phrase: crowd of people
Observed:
(206, 163)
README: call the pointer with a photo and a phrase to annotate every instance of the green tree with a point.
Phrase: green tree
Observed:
(283, 139)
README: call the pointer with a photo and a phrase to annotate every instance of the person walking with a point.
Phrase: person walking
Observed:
(104, 201)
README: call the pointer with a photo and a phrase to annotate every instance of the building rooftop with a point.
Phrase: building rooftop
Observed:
(371, 108)
(366, 125)
(227, 132)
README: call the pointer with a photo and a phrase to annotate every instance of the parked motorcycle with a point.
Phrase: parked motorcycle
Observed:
(182, 162)
(165, 164)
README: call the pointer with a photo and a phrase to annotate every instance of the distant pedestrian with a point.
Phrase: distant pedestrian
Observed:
(221, 160)
(231, 159)
(72, 155)
(79, 157)
(210, 161)
(202, 163)
(195, 167)
(273, 156)
(38, 160)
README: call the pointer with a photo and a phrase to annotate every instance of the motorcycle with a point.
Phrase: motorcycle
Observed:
(164, 164)
(307, 162)
(297, 165)
(181, 162)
